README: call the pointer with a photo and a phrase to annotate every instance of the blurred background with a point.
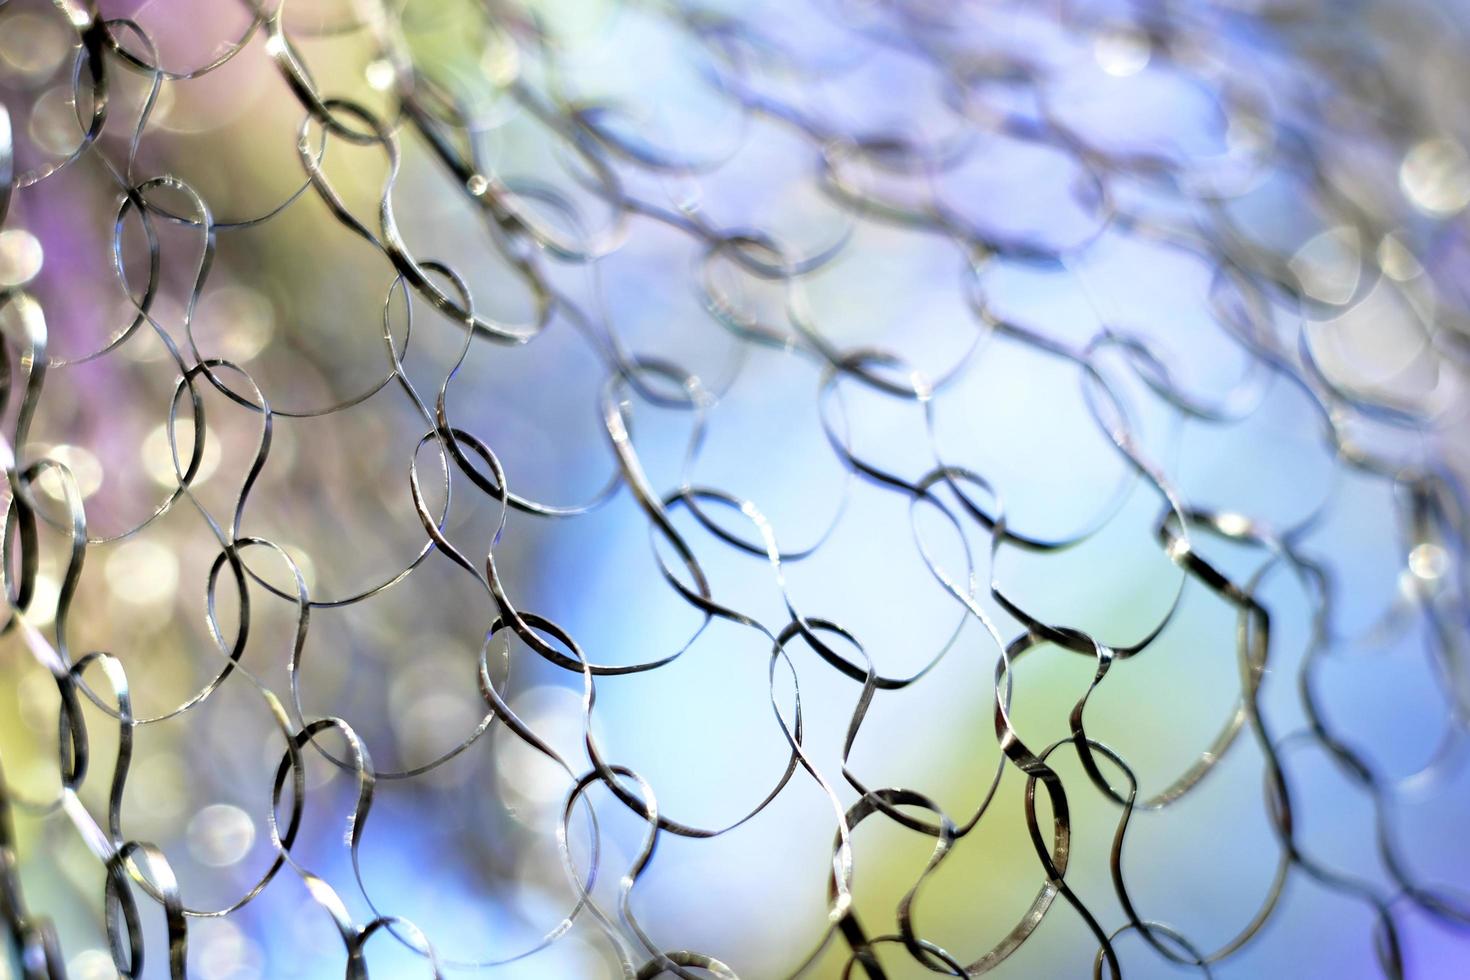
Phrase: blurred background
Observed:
(1214, 248)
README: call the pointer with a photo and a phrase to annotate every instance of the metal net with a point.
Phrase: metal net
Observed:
(714, 488)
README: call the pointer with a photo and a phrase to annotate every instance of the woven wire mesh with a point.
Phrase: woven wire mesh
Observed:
(711, 489)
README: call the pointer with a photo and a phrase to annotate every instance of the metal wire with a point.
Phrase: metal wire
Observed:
(1302, 96)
